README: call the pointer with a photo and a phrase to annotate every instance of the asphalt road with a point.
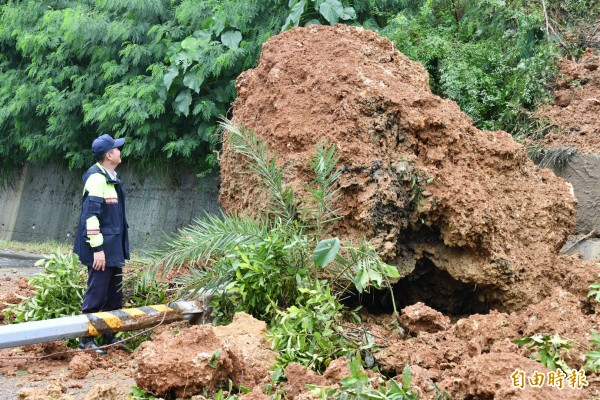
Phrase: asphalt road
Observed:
(19, 264)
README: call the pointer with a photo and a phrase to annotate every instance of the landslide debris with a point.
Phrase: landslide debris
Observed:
(471, 223)
(188, 361)
(575, 112)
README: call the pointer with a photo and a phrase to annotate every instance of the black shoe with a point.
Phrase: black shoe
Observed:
(87, 343)
(111, 339)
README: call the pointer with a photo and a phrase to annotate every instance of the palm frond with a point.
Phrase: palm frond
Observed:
(244, 142)
(204, 240)
(319, 212)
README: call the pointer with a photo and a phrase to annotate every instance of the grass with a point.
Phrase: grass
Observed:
(47, 247)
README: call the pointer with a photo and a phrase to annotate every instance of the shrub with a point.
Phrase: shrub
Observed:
(548, 350)
(58, 291)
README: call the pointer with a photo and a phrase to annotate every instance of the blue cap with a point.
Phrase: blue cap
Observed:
(104, 143)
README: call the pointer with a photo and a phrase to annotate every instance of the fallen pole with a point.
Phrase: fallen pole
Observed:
(94, 324)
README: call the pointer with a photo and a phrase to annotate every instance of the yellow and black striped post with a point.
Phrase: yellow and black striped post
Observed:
(128, 319)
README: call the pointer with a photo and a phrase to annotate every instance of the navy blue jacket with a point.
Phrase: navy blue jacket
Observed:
(102, 224)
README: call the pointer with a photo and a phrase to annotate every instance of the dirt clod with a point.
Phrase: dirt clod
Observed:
(186, 361)
(420, 318)
(80, 365)
(102, 392)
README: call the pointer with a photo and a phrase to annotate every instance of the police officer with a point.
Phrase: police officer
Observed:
(102, 242)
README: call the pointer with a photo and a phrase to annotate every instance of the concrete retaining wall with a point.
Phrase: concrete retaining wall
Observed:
(45, 201)
(583, 172)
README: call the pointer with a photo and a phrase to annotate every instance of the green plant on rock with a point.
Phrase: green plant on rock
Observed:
(549, 350)
(592, 358)
(58, 291)
(361, 386)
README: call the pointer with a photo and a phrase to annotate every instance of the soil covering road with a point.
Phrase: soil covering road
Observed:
(473, 226)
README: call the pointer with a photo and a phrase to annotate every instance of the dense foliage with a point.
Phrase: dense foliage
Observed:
(158, 72)
(162, 72)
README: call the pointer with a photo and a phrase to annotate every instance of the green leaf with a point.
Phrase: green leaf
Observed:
(326, 251)
(348, 13)
(183, 101)
(523, 341)
(231, 39)
(293, 18)
(361, 280)
(190, 43)
(390, 271)
(191, 80)
(331, 10)
(171, 74)
(213, 359)
(203, 35)
(406, 377)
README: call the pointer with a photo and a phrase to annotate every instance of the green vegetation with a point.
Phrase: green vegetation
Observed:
(158, 72)
(362, 387)
(549, 350)
(140, 394)
(57, 292)
(592, 358)
(161, 72)
(273, 266)
(594, 291)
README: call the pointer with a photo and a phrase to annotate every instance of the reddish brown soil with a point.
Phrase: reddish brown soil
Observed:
(487, 217)
(575, 112)
(489, 220)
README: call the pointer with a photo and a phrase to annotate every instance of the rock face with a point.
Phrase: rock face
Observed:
(468, 219)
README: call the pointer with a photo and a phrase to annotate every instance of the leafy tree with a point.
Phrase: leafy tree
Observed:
(158, 72)
(492, 57)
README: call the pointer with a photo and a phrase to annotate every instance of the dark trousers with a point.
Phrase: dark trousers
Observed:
(104, 291)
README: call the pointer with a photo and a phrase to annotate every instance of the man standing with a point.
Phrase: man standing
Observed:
(102, 242)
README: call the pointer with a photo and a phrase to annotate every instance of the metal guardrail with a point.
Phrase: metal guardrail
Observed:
(127, 319)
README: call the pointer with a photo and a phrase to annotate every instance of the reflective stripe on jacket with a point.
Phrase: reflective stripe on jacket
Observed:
(102, 224)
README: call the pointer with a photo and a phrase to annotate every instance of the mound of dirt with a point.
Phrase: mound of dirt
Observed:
(576, 108)
(475, 357)
(470, 221)
(187, 361)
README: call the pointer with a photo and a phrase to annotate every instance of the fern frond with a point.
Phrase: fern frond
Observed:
(244, 142)
(319, 212)
(204, 240)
